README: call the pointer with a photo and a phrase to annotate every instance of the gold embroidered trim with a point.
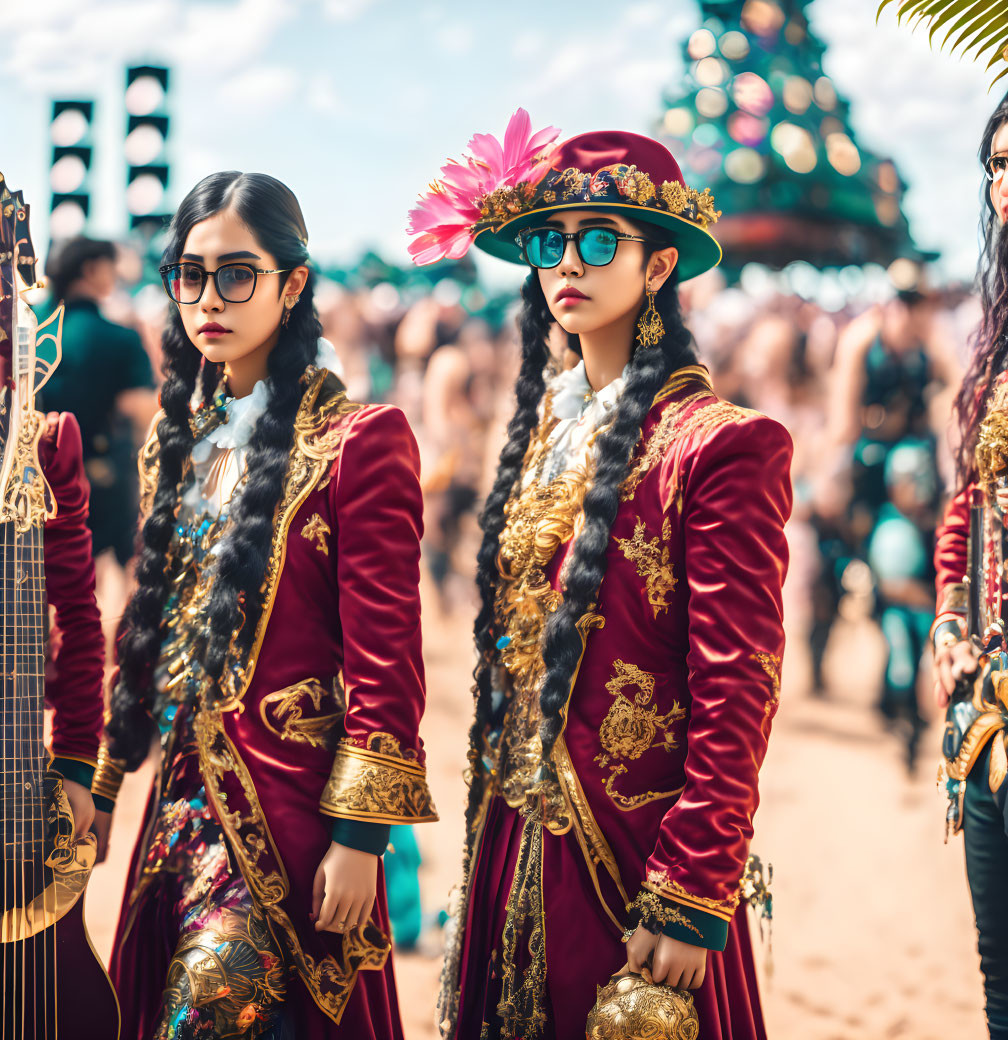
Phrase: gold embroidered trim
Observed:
(329, 982)
(679, 424)
(651, 558)
(632, 727)
(652, 908)
(593, 844)
(377, 787)
(771, 664)
(288, 709)
(316, 528)
(522, 1006)
(148, 466)
(659, 882)
(316, 444)
(954, 599)
(108, 774)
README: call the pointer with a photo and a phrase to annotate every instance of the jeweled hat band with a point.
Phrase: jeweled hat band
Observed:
(618, 184)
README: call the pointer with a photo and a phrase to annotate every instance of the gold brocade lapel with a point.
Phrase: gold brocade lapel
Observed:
(315, 447)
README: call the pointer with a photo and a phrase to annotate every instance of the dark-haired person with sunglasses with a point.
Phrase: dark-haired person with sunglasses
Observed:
(976, 764)
(630, 580)
(272, 648)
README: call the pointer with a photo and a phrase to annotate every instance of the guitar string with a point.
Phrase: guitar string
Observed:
(4, 736)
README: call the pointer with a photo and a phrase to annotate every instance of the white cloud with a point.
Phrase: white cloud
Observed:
(260, 90)
(347, 10)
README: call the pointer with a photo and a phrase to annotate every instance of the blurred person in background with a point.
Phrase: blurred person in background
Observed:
(900, 551)
(105, 380)
(976, 763)
(890, 360)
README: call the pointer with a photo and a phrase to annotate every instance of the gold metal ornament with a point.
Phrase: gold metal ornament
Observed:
(290, 302)
(650, 328)
(631, 1008)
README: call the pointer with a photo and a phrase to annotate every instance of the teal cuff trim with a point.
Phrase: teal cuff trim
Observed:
(361, 835)
(71, 769)
(103, 804)
(696, 927)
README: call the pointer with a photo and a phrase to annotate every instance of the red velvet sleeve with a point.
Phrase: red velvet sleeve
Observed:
(736, 500)
(74, 680)
(950, 557)
(379, 773)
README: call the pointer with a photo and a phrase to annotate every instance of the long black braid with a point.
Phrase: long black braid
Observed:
(534, 324)
(271, 212)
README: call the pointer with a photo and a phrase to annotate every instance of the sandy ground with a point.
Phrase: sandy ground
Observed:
(873, 933)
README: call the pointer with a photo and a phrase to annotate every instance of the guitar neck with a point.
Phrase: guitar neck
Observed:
(24, 616)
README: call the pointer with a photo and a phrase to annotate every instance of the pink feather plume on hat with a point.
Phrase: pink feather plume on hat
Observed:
(445, 217)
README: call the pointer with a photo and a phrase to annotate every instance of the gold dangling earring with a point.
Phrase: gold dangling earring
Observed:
(289, 304)
(650, 328)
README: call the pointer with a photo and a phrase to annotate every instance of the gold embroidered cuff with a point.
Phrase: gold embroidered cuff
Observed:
(661, 884)
(955, 599)
(376, 787)
(108, 775)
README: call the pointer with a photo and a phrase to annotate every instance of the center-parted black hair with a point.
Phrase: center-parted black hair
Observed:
(648, 371)
(271, 212)
(990, 349)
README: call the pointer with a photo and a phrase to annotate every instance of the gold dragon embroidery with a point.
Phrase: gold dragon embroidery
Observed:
(632, 727)
(651, 558)
(316, 528)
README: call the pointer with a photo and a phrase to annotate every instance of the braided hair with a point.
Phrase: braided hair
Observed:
(990, 355)
(648, 371)
(270, 210)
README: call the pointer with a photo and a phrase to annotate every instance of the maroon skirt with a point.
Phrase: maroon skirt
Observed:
(583, 947)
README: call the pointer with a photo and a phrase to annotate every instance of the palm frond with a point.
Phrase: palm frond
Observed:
(980, 27)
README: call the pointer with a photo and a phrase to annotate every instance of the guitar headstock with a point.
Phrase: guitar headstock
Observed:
(24, 494)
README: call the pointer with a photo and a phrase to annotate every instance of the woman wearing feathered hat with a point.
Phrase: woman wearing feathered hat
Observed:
(630, 580)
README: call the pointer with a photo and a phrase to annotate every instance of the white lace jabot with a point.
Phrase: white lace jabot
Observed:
(580, 411)
(219, 457)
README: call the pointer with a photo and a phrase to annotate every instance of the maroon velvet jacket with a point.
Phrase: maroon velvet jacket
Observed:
(288, 750)
(74, 678)
(667, 721)
(670, 710)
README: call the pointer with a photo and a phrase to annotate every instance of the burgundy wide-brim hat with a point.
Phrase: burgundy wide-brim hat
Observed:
(617, 172)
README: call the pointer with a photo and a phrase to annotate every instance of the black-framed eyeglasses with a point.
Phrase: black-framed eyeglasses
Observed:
(235, 283)
(996, 165)
(544, 247)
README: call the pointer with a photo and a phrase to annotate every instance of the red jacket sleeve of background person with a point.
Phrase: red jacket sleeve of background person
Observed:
(378, 510)
(735, 500)
(950, 557)
(74, 678)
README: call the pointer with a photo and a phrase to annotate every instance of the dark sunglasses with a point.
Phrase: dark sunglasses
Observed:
(235, 283)
(544, 247)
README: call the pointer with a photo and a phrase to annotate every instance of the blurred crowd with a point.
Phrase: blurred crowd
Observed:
(865, 389)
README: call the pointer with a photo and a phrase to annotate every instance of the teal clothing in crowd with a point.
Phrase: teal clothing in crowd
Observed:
(100, 361)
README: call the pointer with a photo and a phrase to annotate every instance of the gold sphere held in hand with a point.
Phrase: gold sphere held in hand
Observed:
(631, 1008)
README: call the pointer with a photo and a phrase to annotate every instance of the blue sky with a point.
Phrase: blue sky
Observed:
(356, 103)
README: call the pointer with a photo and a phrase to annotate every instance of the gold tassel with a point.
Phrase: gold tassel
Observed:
(522, 1007)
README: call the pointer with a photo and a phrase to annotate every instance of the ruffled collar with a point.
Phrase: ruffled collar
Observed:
(242, 413)
(573, 397)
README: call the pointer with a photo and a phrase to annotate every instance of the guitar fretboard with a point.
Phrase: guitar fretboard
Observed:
(24, 617)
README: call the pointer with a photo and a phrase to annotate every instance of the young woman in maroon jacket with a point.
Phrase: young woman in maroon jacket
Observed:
(974, 743)
(273, 643)
(630, 580)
